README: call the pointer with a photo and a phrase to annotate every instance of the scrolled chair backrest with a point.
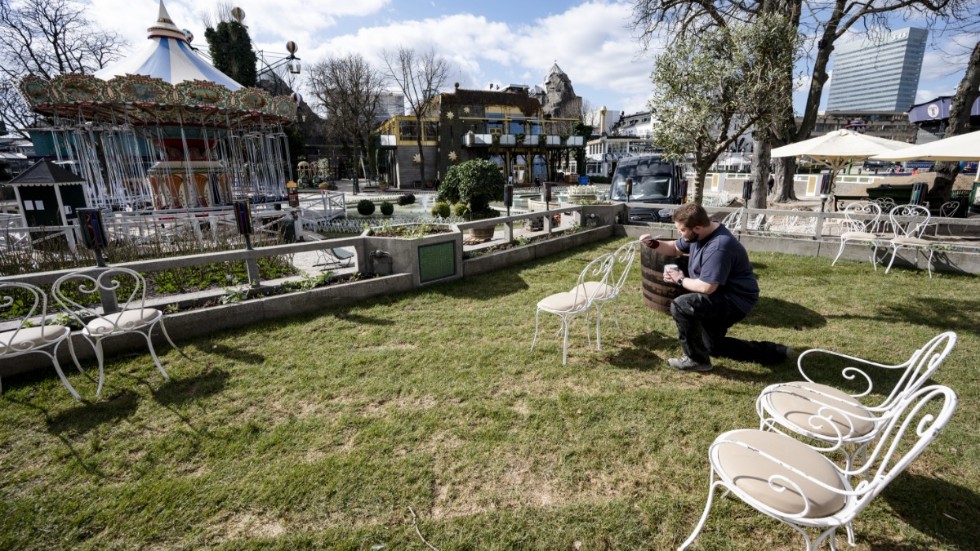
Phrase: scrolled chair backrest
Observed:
(923, 363)
(920, 417)
(909, 220)
(596, 274)
(949, 208)
(75, 292)
(622, 262)
(886, 203)
(862, 216)
(27, 305)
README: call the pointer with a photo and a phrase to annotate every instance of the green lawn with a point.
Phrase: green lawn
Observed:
(327, 431)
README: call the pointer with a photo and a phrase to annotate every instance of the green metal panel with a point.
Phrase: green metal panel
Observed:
(437, 261)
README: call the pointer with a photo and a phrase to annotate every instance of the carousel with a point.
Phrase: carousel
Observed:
(164, 129)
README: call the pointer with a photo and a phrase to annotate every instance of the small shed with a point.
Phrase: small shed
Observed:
(48, 195)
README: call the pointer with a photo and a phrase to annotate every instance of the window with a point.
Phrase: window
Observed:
(431, 130)
(408, 130)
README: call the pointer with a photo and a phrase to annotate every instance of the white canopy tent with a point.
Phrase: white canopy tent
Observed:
(838, 148)
(965, 147)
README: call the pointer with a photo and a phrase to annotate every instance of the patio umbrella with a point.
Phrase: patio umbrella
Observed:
(838, 148)
(965, 147)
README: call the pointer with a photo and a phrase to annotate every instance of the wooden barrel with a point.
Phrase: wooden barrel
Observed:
(657, 293)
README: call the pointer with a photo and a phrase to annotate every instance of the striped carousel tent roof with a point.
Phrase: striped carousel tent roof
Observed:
(168, 56)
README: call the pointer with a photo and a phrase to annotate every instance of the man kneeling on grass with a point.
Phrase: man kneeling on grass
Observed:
(723, 290)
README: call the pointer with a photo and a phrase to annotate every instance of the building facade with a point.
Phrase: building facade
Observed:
(878, 75)
(528, 140)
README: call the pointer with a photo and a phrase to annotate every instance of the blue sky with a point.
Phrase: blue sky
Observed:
(490, 41)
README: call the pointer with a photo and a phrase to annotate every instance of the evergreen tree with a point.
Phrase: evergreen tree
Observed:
(231, 51)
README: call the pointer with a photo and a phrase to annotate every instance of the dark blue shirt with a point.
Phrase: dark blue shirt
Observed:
(720, 259)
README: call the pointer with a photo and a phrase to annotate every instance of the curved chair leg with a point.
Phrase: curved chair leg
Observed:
(61, 374)
(74, 357)
(100, 357)
(839, 252)
(892, 261)
(564, 344)
(166, 335)
(704, 515)
(153, 353)
(598, 323)
(929, 265)
(874, 255)
(537, 315)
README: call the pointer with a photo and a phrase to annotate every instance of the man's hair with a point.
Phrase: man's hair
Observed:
(691, 215)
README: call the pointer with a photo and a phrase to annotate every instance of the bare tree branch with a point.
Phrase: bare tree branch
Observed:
(419, 76)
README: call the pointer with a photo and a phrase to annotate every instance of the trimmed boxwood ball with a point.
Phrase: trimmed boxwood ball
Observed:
(365, 207)
(461, 210)
(406, 199)
(387, 208)
(440, 209)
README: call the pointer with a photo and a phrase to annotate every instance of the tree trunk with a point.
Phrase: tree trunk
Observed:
(421, 159)
(784, 188)
(760, 183)
(701, 172)
(959, 123)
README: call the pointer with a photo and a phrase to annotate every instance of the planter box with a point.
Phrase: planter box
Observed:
(435, 257)
(538, 249)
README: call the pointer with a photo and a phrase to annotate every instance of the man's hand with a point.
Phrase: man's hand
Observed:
(671, 276)
(649, 241)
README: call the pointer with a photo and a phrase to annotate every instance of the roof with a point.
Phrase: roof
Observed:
(45, 173)
(528, 105)
(168, 56)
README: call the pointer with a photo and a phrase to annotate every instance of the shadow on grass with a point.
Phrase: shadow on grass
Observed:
(775, 312)
(211, 347)
(85, 417)
(365, 320)
(505, 282)
(179, 391)
(945, 511)
(642, 354)
(940, 314)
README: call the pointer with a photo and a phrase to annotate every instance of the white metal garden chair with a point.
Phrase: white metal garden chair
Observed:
(603, 292)
(791, 482)
(30, 332)
(847, 421)
(910, 222)
(948, 210)
(132, 315)
(570, 304)
(861, 220)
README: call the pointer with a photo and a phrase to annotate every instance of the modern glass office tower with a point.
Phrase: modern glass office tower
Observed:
(878, 75)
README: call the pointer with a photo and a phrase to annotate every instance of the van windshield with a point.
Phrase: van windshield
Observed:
(652, 180)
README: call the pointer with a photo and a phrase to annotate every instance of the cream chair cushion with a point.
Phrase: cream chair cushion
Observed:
(30, 337)
(595, 289)
(563, 302)
(750, 472)
(798, 402)
(859, 236)
(127, 319)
